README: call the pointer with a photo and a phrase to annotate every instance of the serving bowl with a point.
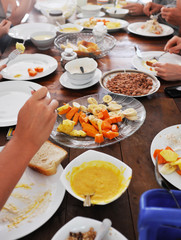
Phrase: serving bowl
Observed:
(91, 155)
(43, 39)
(117, 12)
(70, 28)
(72, 40)
(90, 10)
(78, 76)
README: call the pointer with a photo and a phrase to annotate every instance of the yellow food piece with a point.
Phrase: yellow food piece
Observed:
(167, 168)
(17, 75)
(107, 98)
(111, 25)
(73, 29)
(20, 47)
(64, 107)
(77, 133)
(101, 178)
(178, 162)
(169, 156)
(66, 126)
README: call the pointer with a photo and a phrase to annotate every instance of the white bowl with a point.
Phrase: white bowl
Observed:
(90, 10)
(70, 28)
(74, 72)
(92, 155)
(117, 12)
(82, 224)
(43, 40)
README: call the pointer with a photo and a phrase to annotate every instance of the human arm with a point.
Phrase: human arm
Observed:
(4, 27)
(171, 15)
(173, 45)
(168, 71)
(35, 122)
(152, 8)
(135, 9)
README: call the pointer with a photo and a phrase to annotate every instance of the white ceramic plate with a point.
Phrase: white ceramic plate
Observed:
(13, 95)
(92, 155)
(122, 22)
(171, 137)
(23, 197)
(141, 65)
(101, 14)
(20, 65)
(24, 31)
(64, 80)
(82, 224)
(136, 29)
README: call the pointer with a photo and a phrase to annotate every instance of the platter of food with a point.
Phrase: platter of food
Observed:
(127, 113)
(112, 24)
(84, 44)
(13, 95)
(30, 67)
(169, 140)
(145, 64)
(24, 31)
(149, 29)
(34, 200)
(83, 225)
(131, 83)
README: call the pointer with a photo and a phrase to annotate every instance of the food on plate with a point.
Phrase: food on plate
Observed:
(47, 159)
(94, 120)
(33, 72)
(101, 179)
(17, 75)
(20, 47)
(131, 84)
(148, 64)
(92, 22)
(69, 30)
(42, 37)
(170, 160)
(152, 26)
(90, 235)
(83, 47)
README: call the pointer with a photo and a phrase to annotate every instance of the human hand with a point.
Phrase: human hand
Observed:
(173, 45)
(36, 120)
(4, 27)
(1, 68)
(171, 15)
(165, 71)
(152, 8)
(134, 8)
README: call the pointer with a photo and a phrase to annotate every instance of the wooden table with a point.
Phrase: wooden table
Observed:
(161, 112)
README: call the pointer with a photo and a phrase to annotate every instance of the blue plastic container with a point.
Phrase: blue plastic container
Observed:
(159, 217)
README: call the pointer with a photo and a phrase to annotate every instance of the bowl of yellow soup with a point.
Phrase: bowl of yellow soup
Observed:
(43, 39)
(100, 175)
(70, 28)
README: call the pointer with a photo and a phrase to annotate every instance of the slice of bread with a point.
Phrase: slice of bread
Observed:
(47, 159)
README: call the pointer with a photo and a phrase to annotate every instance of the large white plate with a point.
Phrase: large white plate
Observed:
(122, 22)
(13, 95)
(140, 64)
(35, 217)
(21, 64)
(82, 224)
(136, 29)
(24, 31)
(171, 137)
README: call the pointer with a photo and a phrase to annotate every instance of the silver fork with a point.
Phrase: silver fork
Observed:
(155, 17)
(162, 182)
(13, 55)
(9, 11)
(158, 57)
(138, 52)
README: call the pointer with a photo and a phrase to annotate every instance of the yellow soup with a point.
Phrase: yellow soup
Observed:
(42, 37)
(103, 179)
(73, 29)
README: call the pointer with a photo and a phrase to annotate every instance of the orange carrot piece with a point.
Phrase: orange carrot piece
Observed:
(39, 69)
(169, 148)
(32, 72)
(105, 125)
(89, 129)
(83, 118)
(99, 138)
(76, 117)
(105, 113)
(71, 113)
(156, 152)
(115, 128)
(178, 171)
(161, 160)
(94, 124)
(110, 134)
(100, 115)
(64, 109)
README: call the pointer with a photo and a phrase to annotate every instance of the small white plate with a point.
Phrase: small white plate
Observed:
(66, 83)
(136, 29)
(35, 213)
(25, 30)
(92, 155)
(13, 95)
(141, 65)
(21, 64)
(101, 14)
(82, 224)
(171, 137)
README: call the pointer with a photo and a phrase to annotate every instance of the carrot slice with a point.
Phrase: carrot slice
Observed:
(64, 109)
(161, 160)
(76, 117)
(156, 152)
(39, 69)
(89, 129)
(99, 138)
(115, 128)
(110, 134)
(32, 73)
(71, 113)
(105, 125)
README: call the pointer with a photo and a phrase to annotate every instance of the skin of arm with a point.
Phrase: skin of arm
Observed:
(152, 8)
(35, 123)
(4, 27)
(135, 9)
(172, 15)
(173, 45)
(1, 68)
